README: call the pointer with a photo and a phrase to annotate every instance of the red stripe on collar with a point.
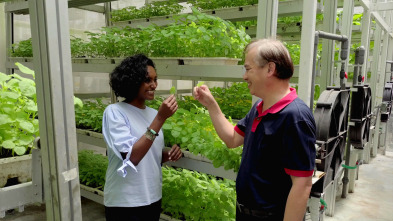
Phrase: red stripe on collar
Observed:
(275, 108)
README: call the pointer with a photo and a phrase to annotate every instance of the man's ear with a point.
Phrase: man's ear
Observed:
(271, 68)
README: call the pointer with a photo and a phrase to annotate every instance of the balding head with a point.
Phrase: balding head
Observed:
(271, 50)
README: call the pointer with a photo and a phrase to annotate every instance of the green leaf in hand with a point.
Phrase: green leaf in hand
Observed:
(200, 83)
(172, 90)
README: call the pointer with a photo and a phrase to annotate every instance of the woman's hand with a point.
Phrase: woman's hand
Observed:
(175, 153)
(204, 96)
(167, 108)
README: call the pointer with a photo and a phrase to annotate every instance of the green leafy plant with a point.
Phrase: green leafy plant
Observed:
(357, 19)
(79, 47)
(156, 103)
(18, 112)
(158, 8)
(192, 35)
(89, 116)
(92, 168)
(193, 131)
(234, 101)
(189, 195)
(22, 49)
(207, 4)
(197, 35)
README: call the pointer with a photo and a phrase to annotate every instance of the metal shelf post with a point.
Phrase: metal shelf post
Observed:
(329, 25)
(52, 65)
(3, 41)
(307, 43)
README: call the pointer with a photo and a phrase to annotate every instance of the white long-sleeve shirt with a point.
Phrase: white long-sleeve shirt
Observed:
(128, 185)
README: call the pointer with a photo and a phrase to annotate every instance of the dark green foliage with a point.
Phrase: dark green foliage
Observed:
(22, 49)
(92, 168)
(90, 115)
(193, 131)
(79, 48)
(159, 8)
(234, 101)
(208, 4)
(156, 103)
(194, 35)
(189, 195)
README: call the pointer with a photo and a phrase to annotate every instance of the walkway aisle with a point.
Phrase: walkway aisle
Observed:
(373, 196)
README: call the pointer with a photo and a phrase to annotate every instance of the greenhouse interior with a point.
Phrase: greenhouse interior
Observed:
(56, 57)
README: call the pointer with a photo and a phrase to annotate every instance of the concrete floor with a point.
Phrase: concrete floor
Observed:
(371, 201)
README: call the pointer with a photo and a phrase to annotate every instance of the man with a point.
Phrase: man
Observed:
(278, 137)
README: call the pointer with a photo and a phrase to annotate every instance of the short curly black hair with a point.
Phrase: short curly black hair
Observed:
(126, 79)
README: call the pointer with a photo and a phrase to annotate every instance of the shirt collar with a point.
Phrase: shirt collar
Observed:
(279, 105)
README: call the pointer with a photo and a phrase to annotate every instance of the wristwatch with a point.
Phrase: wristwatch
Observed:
(151, 134)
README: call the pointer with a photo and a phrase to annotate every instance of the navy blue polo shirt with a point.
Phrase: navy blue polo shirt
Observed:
(278, 143)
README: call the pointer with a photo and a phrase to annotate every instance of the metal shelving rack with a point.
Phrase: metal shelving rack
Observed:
(241, 13)
(189, 161)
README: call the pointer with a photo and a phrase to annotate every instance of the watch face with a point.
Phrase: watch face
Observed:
(152, 131)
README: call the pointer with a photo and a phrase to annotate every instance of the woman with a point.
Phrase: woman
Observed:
(135, 143)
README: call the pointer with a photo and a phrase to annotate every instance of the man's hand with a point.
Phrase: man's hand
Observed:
(204, 96)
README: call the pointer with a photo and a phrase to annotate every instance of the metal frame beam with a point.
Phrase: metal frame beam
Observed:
(307, 49)
(9, 35)
(380, 6)
(23, 7)
(389, 56)
(3, 41)
(347, 25)
(380, 85)
(328, 46)
(242, 13)
(52, 65)
(366, 23)
(373, 85)
(93, 8)
(383, 6)
(381, 22)
(107, 12)
(267, 18)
